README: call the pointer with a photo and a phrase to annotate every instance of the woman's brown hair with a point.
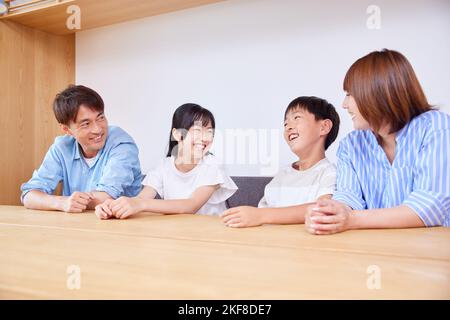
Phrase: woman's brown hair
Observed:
(386, 90)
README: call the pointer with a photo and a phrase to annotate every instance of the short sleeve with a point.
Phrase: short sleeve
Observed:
(348, 188)
(154, 179)
(214, 174)
(122, 172)
(47, 177)
(263, 203)
(327, 182)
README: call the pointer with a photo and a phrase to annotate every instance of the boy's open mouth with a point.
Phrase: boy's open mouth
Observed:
(293, 136)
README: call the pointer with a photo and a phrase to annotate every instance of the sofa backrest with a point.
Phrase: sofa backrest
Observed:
(250, 192)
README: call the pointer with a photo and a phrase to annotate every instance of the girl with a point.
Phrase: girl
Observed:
(393, 170)
(189, 179)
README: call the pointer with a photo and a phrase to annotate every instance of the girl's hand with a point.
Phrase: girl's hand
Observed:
(103, 211)
(328, 217)
(124, 207)
(244, 216)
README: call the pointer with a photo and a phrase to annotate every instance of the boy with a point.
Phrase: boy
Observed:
(94, 162)
(311, 125)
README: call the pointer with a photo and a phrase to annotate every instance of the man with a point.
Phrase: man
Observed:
(94, 162)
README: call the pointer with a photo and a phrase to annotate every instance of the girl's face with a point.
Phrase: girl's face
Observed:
(197, 142)
(349, 104)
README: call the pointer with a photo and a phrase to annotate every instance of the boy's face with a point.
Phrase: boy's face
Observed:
(90, 129)
(302, 131)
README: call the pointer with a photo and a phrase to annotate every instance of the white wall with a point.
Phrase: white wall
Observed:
(245, 60)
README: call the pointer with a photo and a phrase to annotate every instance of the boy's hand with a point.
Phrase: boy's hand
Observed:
(244, 216)
(328, 217)
(77, 202)
(103, 211)
(124, 207)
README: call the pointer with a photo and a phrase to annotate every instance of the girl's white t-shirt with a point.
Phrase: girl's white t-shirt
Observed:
(292, 187)
(170, 183)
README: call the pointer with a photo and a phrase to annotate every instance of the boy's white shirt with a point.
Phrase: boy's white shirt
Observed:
(170, 183)
(292, 187)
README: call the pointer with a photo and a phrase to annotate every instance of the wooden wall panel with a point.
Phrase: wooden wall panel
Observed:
(34, 66)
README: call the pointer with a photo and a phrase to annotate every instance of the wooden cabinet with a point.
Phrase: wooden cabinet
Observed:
(37, 60)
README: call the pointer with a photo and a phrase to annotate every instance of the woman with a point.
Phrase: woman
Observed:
(393, 170)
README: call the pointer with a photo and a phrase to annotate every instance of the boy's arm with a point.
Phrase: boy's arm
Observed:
(288, 215)
(250, 216)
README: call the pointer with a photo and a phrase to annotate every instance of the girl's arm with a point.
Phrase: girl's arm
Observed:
(124, 207)
(186, 206)
(103, 210)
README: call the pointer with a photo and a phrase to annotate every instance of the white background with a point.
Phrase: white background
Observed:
(245, 60)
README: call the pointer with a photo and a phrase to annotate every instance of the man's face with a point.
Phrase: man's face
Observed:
(90, 129)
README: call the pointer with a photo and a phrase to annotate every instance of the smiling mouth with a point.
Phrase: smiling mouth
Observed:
(293, 136)
(97, 139)
(201, 146)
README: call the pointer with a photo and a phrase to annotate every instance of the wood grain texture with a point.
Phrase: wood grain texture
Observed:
(34, 66)
(52, 17)
(125, 259)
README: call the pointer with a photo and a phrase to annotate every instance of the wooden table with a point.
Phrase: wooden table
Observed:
(196, 257)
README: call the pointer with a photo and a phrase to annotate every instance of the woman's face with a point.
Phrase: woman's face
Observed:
(349, 104)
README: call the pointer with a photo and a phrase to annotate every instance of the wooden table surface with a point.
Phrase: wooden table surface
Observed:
(154, 256)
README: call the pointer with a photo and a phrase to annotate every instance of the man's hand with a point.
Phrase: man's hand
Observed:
(244, 216)
(77, 202)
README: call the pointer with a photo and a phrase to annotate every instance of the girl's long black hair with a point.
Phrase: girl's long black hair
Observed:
(185, 117)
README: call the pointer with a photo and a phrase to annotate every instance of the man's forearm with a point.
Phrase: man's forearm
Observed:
(99, 197)
(39, 200)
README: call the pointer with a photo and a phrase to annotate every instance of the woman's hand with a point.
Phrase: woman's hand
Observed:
(244, 216)
(328, 217)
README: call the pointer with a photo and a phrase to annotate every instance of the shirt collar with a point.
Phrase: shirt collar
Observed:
(77, 151)
(401, 133)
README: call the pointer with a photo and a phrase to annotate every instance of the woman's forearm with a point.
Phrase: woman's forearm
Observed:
(398, 217)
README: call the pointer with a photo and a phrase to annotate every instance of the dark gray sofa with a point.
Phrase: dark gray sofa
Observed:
(251, 190)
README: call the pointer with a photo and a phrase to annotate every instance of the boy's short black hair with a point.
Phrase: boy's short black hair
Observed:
(321, 109)
(68, 101)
